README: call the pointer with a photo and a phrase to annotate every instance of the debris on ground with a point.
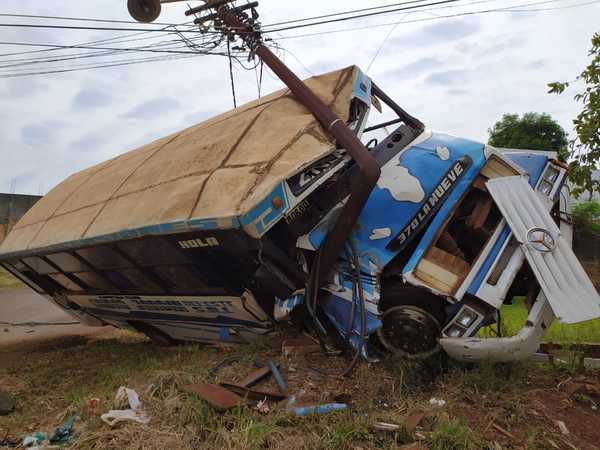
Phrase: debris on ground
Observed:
(7, 403)
(135, 412)
(409, 424)
(8, 441)
(384, 426)
(64, 432)
(255, 376)
(562, 427)
(302, 345)
(437, 402)
(254, 394)
(281, 384)
(34, 440)
(263, 407)
(218, 396)
(318, 409)
(93, 402)
(315, 409)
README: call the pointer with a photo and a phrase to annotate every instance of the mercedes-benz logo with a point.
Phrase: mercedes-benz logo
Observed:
(541, 240)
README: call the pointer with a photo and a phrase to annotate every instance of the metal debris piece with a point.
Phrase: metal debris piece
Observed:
(281, 384)
(255, 376)
(412, 421)
(218, 396)
(253, 394)
(318, 409)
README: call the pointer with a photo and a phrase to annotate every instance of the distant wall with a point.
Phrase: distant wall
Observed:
(12, 208)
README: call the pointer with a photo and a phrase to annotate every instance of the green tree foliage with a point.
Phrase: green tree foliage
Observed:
(533, 131)
(584, 150)
(586, 217)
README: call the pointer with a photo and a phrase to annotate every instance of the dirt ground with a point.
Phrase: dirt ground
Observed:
(56, 372)
(495, 407)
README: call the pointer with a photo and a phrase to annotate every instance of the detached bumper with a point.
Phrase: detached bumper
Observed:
(515, 348)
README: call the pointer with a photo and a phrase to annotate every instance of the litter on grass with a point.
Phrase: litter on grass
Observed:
(135, 412)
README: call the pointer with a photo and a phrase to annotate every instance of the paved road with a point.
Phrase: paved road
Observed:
(24, 305)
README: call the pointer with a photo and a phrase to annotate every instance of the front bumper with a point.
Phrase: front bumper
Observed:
(505, 349)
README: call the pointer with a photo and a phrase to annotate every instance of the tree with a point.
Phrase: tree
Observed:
(584, 150)
(533, 131)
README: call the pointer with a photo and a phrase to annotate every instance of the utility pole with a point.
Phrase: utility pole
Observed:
(235, 21)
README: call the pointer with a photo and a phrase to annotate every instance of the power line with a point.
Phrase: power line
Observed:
(74, 27)
(325, 16)
(114, 39)
(174, 47)
(362, 16)
(81, 19)
(131, 62)
(449, 16)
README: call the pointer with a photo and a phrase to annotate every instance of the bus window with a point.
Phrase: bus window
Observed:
(67, 262)
(181, 278)
(132, 280)
(65, 282)
(94, 281)
(39, 265)
(103, 257)
(152, 252)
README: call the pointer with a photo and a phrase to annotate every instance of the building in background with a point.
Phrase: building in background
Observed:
(12, 208)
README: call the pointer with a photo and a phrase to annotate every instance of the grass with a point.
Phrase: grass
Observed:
(7, 281)
(515, 315)
(58, 380)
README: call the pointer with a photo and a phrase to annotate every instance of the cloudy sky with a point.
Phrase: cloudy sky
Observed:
(458, 75)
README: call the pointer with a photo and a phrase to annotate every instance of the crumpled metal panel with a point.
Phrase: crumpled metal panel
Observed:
(561, 276)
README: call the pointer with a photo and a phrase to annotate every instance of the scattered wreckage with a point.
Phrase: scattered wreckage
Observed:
(277, 212)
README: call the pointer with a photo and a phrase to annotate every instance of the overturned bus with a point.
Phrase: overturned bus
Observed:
(213, 233)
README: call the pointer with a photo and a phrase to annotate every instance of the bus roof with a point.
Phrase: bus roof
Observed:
(217, 170)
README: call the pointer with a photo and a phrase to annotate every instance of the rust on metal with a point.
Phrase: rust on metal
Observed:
(253, 394)
(255, 376)
(219, 397)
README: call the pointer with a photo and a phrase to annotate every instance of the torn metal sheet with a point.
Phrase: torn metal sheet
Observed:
(255, 376)
(218, 396)
(253, 394)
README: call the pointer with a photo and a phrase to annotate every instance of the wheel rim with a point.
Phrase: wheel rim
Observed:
(410, 332)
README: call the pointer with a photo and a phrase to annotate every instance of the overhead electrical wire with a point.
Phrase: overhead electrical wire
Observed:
(199, 45)
(428, 19)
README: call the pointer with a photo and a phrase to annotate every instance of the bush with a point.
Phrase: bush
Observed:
(586, 217)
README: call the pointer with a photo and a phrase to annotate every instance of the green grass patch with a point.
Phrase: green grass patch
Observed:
(454, 434)
(7, 281)
(514, 317)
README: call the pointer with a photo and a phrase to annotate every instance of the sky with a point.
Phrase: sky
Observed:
(458, 75)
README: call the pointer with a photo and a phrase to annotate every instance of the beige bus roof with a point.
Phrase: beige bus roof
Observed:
(220, 168)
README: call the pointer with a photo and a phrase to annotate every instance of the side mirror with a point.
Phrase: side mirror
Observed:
(144, 10)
